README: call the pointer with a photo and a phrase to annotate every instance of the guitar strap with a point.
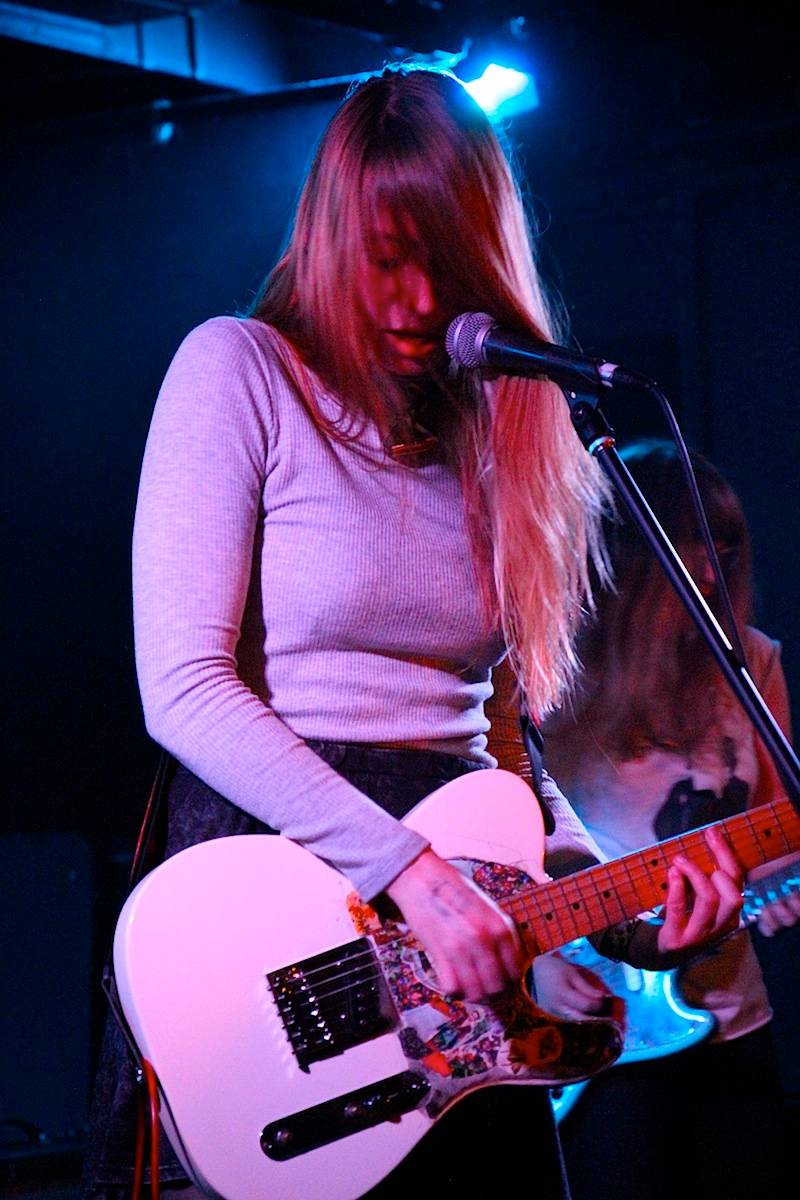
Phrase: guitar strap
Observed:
(534, 746)
(149, 851)
(152, 837)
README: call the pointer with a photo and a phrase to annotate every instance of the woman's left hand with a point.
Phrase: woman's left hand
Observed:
(701, 908)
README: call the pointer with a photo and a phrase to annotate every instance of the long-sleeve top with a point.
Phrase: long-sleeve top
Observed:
(289, 586)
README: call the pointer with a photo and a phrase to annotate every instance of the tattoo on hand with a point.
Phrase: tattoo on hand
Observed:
(448, 899)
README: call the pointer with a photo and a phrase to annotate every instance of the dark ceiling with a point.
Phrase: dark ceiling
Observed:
(716, 68)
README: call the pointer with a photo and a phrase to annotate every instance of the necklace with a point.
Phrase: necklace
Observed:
(416, 442)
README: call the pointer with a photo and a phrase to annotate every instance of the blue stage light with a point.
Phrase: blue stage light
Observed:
(502, 90)
(162, 130)
(163, 133)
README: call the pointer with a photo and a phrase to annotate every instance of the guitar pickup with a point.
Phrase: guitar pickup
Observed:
(311, 1128)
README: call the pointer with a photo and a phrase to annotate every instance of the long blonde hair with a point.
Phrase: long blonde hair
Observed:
(412, 142)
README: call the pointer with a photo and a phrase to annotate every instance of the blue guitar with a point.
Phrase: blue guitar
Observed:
(659, 1022)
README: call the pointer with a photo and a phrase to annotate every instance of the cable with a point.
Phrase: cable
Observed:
(152, 1095)
(153, 827)
(138, 1162)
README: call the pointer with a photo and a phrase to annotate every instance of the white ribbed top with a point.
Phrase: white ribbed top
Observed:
(285, 588)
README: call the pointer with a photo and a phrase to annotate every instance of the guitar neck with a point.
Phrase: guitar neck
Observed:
(552, 914)
(785, 882)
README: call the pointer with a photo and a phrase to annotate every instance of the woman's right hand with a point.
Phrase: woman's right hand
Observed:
(474, 948)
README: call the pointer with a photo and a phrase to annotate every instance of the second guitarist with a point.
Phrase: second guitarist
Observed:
(656, 746)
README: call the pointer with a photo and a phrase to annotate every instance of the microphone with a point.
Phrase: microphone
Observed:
(475, 339)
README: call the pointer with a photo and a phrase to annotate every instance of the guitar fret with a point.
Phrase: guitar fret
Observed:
(611, 905)
(574, 904)
(554, 913)
(630, 894)
(750, 840)
(600, 902)
(766, 841)
(548, 922)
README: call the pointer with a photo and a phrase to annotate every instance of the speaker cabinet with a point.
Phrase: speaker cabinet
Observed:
(46, 933)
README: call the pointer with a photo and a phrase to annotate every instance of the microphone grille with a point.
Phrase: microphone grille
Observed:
(464, 338)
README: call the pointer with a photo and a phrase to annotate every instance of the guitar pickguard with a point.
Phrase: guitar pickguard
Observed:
(457, 1043)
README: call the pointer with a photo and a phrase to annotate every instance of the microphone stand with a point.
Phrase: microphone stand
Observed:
(598, 438)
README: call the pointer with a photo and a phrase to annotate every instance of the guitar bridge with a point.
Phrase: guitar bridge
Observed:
(333, 1001)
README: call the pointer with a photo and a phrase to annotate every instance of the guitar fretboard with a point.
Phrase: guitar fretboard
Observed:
(552, 914)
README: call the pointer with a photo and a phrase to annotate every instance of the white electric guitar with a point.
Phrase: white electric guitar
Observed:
(301, 1043)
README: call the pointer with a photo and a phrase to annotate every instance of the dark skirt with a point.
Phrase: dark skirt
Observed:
(486, 1140)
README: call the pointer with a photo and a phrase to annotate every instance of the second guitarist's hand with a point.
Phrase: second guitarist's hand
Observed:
(783, 910)
(568, 989)
(473, 946)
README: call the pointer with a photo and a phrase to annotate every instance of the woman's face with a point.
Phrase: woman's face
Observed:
(699, 564)
(399, 297)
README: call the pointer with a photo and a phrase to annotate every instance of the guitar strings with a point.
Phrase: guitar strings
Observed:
(330, 973)
(636, 872)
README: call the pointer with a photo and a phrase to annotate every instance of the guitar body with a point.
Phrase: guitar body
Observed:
(301, 1044)
(658, 1020)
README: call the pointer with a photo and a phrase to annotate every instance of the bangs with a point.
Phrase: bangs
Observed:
(390, 207)
(725, 513)
(422, 204)
(443, 220)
